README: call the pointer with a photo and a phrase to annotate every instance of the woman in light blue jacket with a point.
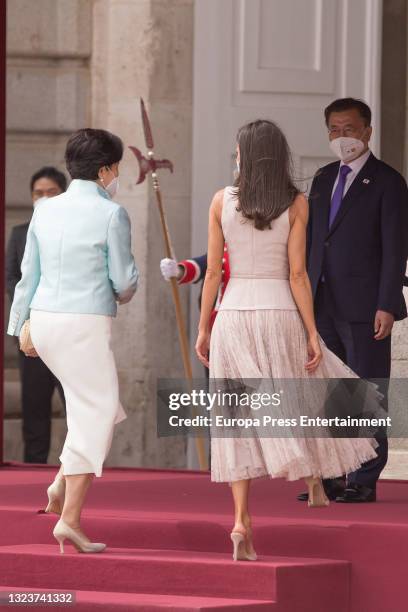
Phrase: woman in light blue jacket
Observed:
(77, 266)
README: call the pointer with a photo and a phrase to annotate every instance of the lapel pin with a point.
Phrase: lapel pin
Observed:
(366, 181)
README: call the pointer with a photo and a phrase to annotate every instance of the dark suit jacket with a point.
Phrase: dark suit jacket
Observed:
(201, 261)
(363, 255)
(14, 257)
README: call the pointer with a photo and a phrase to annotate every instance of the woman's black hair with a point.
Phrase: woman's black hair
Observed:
(265, 186)
(88, 150)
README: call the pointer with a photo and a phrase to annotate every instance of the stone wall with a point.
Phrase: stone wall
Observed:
(73, 63)
(48, 93)
(144, 48)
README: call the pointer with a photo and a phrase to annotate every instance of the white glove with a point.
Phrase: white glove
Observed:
(169, 268)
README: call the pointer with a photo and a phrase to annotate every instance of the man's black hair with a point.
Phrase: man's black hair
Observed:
(88, 150)
(345, 104)
(51, 173)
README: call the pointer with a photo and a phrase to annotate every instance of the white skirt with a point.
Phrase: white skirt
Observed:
(77, 350)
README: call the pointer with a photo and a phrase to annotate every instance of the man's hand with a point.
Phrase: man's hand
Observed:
(31, 353)
(383, 324)
(170, 269)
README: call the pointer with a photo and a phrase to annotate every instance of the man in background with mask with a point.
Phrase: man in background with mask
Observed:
(357, 253)
(37, 382)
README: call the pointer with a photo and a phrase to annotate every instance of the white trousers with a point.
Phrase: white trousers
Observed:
(77, 350)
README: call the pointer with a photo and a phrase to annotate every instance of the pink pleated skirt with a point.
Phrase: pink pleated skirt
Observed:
(272, 344)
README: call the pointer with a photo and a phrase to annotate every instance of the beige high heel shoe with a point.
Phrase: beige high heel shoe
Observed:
(317, 495)
(63, 532)
(251, 556)
(56, 496)
(240, 552)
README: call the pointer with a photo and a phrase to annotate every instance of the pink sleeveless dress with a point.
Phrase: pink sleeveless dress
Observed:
(258, 333)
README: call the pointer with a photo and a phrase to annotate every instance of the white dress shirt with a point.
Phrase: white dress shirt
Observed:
(355, 165)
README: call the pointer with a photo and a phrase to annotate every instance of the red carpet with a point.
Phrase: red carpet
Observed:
(169, 549)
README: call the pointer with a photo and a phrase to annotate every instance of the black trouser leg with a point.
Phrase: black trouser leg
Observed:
(37, 386)
(354, 344)
(371, 359)
(325, 324)
(60, 391)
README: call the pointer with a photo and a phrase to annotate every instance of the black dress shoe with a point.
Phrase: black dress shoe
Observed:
(356, 494)
(333, 489)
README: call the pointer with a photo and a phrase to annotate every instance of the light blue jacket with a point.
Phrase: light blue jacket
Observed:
(77, 258)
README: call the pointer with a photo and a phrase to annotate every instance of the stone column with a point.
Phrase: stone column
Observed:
(144, 48)
(48, 51)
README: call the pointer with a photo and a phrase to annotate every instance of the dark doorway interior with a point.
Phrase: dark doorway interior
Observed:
(394, 83)
(2, 191)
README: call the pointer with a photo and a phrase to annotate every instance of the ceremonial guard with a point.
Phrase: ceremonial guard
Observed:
(188, 271)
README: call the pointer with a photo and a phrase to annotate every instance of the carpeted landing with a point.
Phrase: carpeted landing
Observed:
(169, 549)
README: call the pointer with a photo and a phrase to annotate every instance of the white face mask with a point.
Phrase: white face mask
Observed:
(113, 187)
(347, 148)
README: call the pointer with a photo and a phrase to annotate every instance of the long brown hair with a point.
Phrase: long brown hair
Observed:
(264, 186)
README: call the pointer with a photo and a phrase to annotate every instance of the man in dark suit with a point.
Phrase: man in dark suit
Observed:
(357, 253)
(37, 382)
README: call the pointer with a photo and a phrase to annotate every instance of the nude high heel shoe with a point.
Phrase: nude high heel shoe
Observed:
(239, 548)
(317, 495)
(56, 496)
(63, 532)
(251, 556)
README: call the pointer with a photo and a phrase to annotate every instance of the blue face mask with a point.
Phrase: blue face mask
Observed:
(113, 187)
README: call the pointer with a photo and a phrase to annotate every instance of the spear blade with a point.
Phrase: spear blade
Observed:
(146, 126)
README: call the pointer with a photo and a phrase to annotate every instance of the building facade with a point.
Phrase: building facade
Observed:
(204, 67)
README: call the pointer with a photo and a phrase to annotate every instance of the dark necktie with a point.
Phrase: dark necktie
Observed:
(338, 193)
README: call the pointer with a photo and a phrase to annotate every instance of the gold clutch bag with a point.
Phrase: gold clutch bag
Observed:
(26, 343)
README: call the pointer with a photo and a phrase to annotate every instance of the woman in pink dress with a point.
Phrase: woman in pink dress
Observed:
(265, 328)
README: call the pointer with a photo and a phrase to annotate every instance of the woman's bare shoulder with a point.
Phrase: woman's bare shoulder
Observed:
(218, 196)
(299, 209)
(216, 203)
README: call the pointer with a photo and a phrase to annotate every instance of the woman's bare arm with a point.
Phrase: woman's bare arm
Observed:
(215, 254)
(298, 277)
(213, 275)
